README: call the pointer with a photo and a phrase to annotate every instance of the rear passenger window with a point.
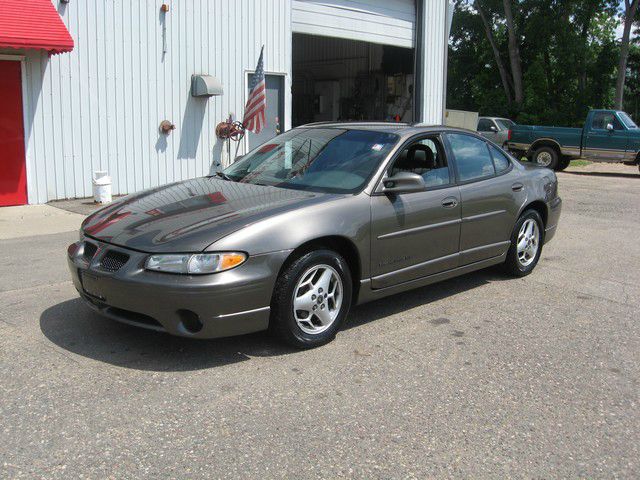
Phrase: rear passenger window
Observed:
(500, 159)
(472, 157)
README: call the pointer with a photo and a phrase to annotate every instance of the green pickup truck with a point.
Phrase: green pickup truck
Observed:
(607, 136)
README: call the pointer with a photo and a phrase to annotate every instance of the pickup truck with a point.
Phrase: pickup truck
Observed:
(607, 135)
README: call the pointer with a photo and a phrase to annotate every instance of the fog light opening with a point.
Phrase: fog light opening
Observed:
(190, 321)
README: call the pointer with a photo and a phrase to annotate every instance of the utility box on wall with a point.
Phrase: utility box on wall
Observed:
(205, 86)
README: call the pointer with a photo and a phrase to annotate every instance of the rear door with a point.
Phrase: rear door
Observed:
(490, 192)
(602, 143)
(416, 234)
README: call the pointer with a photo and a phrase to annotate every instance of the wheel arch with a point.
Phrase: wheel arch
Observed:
(540, 207)
(545, 142)
(341, 245)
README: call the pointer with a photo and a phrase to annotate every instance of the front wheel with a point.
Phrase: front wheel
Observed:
(526, 244)
(311, 299)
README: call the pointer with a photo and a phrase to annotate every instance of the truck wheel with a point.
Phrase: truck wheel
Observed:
(563, 163)
(546, 157)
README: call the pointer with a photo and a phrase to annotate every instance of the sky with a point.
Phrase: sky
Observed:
(621, 25)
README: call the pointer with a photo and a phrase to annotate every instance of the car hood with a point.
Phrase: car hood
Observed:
(189, 216)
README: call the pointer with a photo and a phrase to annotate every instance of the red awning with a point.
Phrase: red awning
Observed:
(33, 24)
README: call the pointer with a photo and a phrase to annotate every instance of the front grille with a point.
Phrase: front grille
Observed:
(90, 250)
(113, 260)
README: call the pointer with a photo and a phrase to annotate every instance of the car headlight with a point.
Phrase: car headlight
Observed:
(195, 264)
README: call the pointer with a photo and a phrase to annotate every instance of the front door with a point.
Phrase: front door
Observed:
(416, 234)
(13, 177)
(275, 111)
(602, 143)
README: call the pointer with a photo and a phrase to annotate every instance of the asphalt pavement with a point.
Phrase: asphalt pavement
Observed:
(482, 376)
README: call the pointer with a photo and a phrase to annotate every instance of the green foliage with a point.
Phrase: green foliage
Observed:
(569, 57)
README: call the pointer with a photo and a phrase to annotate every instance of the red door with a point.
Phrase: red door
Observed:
(13, 176)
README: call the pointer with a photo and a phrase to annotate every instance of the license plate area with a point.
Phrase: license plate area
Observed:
(91, 285)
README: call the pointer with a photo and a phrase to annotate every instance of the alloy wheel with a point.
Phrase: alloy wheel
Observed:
(317, 299)
(528, 242)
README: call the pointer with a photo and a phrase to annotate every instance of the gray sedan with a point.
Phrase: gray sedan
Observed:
(318, 219)
(495, 129)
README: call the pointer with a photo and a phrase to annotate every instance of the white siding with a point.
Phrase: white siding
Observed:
(99, 107)
(379, 21)
(434, 60)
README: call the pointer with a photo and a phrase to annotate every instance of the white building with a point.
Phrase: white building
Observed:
(100, 105)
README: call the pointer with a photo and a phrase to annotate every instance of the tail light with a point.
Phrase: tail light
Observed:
(509, 135)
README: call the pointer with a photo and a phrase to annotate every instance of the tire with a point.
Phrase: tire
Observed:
(319, 317)
(546, 157)
(563, 163)
(514, 264)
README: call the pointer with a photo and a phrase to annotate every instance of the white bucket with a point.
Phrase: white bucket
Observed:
(101, 187)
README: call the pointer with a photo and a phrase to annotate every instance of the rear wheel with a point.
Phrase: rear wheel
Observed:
(526, 244)
(546, 157)
(311, 299)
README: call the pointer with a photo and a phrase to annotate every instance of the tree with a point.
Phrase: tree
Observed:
(630, 9)
(565, 55)
(514, 53)
(496, 52)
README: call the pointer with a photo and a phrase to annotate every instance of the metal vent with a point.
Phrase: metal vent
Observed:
(113, 261)
(90, 250)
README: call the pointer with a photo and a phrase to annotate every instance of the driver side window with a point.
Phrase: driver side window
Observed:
(602, 119)
(426, 158)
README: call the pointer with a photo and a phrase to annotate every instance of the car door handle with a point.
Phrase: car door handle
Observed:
(449, 202)
(517, 187)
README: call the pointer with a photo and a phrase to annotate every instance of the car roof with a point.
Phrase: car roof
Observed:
(401, 129)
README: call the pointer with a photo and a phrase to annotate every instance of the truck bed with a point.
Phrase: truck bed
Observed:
(565, 136)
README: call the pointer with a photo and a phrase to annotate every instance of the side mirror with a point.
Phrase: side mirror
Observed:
(493, 128)
(610, 127)
(403, 182)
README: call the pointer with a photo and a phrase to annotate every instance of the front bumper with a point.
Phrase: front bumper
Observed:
(223, 304)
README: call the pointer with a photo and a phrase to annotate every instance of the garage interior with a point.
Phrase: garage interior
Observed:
(350, 80)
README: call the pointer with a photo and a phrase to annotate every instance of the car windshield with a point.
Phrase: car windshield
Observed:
(505, 123)
(626, 119)
(329, 160)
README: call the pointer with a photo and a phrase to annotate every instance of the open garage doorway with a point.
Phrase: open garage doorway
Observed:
(350, 80)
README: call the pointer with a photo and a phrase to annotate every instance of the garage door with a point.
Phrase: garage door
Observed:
(389, 22)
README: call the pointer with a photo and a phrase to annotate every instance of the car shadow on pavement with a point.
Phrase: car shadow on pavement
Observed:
(421, 296)
(74, 327)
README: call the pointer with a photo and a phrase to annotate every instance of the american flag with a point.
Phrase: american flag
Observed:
(254, 119)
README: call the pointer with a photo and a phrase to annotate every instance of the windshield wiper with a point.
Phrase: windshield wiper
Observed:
(224, 176)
